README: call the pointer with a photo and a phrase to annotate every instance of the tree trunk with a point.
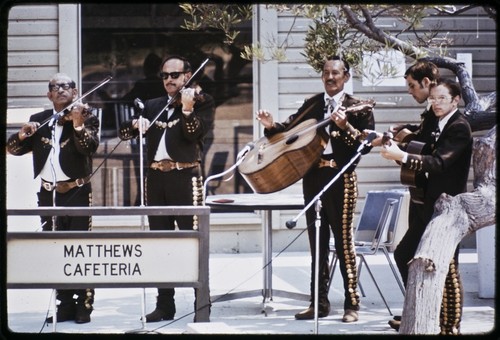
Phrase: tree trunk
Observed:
(453, 219)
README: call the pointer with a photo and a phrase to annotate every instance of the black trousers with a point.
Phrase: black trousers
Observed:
(176, 187)
(452, 305)
(76, 197)
(338, 204)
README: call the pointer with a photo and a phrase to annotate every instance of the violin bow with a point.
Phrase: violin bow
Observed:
(61, 113)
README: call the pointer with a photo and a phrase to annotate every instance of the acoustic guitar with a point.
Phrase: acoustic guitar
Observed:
(415, 180)
(278, 161)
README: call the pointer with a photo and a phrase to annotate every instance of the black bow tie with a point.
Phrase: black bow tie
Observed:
(61, 120)
(436, 133)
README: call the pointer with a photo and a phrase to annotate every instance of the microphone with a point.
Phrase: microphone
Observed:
(366, 146)
(139, 104)
(290, 224)
(248, 147)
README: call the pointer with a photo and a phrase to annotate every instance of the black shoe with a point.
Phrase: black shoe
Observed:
(64, 313)
(159, 315)
(308, 314)
(82, 314)
(395, 323)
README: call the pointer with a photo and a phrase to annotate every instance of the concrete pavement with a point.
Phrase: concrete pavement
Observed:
(118, 310)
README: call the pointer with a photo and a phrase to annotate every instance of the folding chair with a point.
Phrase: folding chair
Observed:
(217, 166)
(384, 217)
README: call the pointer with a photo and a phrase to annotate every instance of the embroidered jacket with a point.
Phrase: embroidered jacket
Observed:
(77, 147)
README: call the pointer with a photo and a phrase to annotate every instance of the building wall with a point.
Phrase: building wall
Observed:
(42, 40)
(45, 39)
(294, 80)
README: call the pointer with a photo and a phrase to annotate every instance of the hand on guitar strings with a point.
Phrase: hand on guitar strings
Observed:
(340, 117)
(265, 118)
(391, 151)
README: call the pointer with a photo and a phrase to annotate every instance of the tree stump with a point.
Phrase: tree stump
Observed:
(453, 219)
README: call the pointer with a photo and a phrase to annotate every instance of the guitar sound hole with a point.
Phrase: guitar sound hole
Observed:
(292, 139)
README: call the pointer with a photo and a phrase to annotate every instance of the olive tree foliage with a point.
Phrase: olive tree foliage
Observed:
(354, 31)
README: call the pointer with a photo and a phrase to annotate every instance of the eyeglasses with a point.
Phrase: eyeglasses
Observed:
(173, 75)
(440, 99)
(56, 87)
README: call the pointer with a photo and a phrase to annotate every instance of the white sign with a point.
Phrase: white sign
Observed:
(102, 260)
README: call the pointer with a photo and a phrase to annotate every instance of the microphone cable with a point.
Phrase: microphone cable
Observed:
(238, 285)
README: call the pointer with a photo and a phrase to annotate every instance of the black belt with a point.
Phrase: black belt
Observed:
(166, 165)
(63, 187)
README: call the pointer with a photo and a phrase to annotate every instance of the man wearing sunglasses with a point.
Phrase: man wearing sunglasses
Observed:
(62, 152)
(175, 141)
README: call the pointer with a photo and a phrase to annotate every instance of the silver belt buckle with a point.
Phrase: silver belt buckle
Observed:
(47, 186)
(332, 163)
(177, 166)
(79, 182)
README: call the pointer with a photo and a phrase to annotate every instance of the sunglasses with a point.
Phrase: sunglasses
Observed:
(173, 75)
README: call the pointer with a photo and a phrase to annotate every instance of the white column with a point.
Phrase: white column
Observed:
(485, 240)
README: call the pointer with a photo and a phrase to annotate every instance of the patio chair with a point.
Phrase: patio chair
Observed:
(379, 216)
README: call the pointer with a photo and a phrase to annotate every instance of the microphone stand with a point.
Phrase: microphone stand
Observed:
(54, 219)
(239, 159)
(317, 200)
(138, 103)
(143, 227)
(316, 267)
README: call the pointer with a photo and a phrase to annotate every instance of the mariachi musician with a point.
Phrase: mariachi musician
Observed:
(174, 139)
(62, 156)
(342, 137)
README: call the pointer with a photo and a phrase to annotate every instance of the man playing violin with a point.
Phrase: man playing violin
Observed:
(342, 137)
(62, 144)
(174, 139)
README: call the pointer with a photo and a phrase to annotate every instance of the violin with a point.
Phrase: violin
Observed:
(199, 96)
(68, 108)
(86, 112)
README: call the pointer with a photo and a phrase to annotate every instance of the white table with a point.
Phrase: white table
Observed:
(265, 203)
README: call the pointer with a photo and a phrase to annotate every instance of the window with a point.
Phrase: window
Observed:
(127, 42)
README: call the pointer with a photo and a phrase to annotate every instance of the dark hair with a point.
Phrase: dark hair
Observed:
(186, 67)
(151, 65)
(422, 69)
(336, 57)
(452, 86)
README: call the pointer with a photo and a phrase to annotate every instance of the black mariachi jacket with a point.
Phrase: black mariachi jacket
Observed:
(184, 138)
(446, 162)
(344, 142)
(77, 147)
